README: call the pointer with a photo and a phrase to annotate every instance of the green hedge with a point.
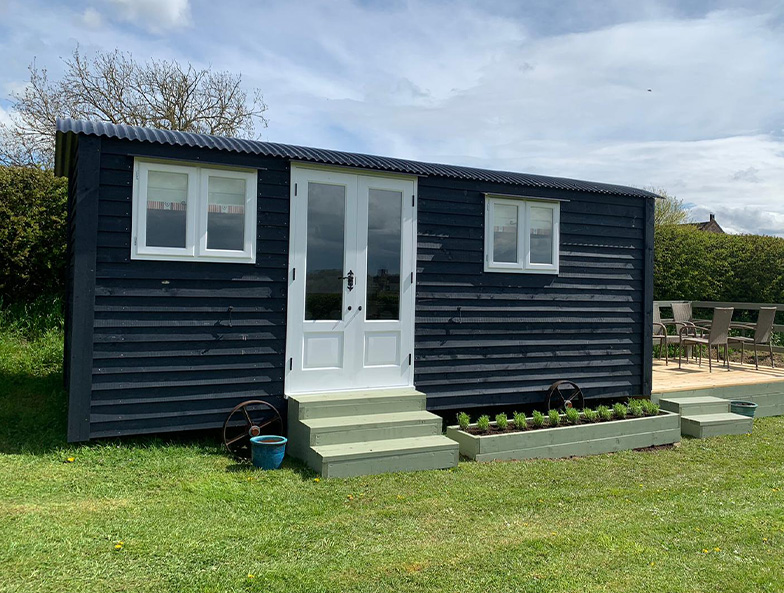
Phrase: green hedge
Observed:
(698, 266)
(32, 234)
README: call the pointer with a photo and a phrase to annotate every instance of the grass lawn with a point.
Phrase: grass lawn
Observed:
(706, 516)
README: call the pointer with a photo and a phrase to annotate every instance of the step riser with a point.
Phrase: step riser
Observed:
(400, 462)
(685, 409)
(694, 429)
(364, 433)
(359, 407)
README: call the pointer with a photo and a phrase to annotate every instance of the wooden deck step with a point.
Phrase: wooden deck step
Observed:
(693, 406)
(352, 403)
(392, 455)
(711, 425)
(355, 433)
(370, 427)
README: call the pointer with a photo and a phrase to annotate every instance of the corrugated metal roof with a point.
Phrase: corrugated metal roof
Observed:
(336, 157)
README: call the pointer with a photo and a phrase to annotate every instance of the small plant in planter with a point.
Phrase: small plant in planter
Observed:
(553, 418)
(519, 421)
(483, 423)
(463, 420)
(604, 413)
(635, 408)
(619, 411)
(590, 415)
(537, 419)
(650, 408)
(501, 421)
(572, 415)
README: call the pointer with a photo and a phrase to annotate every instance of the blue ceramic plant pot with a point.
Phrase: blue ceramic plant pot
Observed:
(267, 451)
(743, 408)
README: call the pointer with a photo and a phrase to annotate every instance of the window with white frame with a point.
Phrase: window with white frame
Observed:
(521, 235)
(185, 212)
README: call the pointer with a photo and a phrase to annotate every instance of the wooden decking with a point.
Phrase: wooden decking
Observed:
(691, 376)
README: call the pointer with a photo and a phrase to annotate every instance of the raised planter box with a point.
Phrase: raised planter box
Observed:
(569, 441)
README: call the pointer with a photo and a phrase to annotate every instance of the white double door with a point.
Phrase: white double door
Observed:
(350, 317)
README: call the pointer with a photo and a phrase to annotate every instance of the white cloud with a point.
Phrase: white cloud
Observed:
(91, 18)
(155, 16)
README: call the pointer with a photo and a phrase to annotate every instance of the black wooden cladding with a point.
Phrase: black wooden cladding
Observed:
(166, 353)
(151, 346)
(493, 338)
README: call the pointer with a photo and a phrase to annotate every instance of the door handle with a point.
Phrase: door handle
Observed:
(350, 278)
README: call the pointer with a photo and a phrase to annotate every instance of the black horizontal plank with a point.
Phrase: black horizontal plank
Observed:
(207, 367)
(125, 352)
(263, 290)
(224, 334)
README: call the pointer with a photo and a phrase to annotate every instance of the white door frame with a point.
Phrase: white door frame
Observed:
(348, 343)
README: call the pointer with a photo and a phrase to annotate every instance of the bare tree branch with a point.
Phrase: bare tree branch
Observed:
(113, 87)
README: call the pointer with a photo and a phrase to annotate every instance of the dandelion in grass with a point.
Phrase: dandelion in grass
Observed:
(316, 479)
(251, 576)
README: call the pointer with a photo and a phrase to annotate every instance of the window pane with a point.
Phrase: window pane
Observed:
(541, 235)
(167, 196)
(326, 221)
(383, 255)
(504, 233)
(226, 213)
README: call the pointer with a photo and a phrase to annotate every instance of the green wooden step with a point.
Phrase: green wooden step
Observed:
(352, 403)
(370, 427)
(377, 457)
(693, 406)
(711, 425)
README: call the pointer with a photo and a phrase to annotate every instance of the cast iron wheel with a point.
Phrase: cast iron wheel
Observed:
(565, 394)
(249, 419)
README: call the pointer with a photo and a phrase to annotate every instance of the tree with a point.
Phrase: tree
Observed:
(114, 87)
(669, 210)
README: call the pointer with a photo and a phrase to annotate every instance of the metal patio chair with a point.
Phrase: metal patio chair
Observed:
(684, 325)
(718, 336)
(763, 331)
(661, 336)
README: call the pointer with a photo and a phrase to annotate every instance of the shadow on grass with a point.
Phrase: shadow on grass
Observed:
(33, 412)
(294, 465)
(34, 420)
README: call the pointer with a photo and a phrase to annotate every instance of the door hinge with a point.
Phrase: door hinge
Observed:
(413, 200)
(293, 274)
(137, 173)
(412, 277)
(291, 363)
(295, 190)
(410, 359)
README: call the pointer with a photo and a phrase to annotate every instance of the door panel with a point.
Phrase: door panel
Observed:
(350, 333)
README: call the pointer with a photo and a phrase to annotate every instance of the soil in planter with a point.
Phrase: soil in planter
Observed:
(512, 428)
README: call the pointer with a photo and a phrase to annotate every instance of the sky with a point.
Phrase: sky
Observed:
(685, 96)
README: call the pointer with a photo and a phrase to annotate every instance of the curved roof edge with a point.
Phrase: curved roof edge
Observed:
(336, 157)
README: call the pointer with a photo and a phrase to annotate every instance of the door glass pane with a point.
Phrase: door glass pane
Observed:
(226, 213)
(504, 233)
(541, 235)
(326, 221)
(383, 254)
(167, 197)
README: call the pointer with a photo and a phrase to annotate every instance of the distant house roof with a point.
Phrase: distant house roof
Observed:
(709, 226)
(335, 157)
